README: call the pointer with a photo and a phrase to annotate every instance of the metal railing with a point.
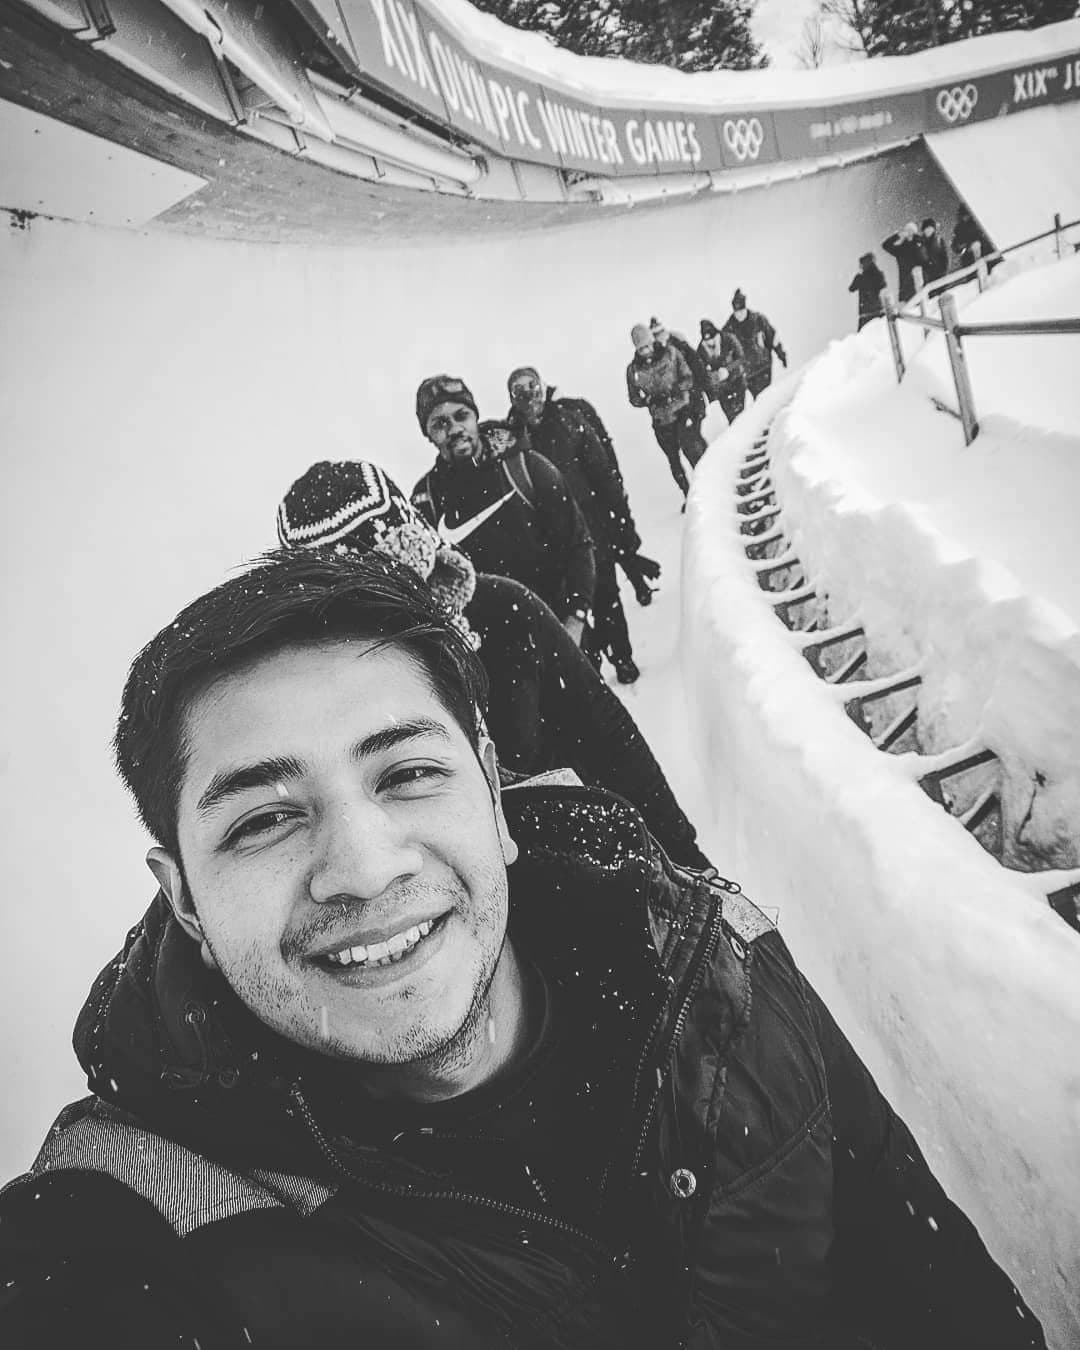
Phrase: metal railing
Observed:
(955, 331)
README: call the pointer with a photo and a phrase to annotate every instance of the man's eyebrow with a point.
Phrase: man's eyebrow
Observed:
(386, 738)
(228, 783)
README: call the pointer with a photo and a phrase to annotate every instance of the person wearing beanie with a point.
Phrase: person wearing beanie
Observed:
(906, 246)
(663, 336)
(868, 282)
(505, 506)
(562, 436)
(660, 379)
(721, 357)
(547, 707)
(757, 338)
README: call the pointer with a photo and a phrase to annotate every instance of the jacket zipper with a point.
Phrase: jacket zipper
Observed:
(705, 955)
(465, 1197)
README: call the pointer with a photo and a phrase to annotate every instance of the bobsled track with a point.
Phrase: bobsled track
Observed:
(236, 238)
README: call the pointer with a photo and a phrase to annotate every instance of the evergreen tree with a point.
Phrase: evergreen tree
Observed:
(686, 34)
(897, 27)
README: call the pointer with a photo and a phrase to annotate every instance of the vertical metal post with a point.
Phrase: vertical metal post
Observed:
(980, 267)
(894, 334)
(1059, 242)
(961, 378)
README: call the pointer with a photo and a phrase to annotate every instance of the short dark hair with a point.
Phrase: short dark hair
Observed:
(287, 598)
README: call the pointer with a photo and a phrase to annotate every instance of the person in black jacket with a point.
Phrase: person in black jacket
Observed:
(547, 707)
(906, 247)
(664, 337)
(967, 232)
(397, 1059)
(934, 251)
(639, 569)
(757, 338)
(508, 508)
(723, 362)
(563, 438)
(868, 282)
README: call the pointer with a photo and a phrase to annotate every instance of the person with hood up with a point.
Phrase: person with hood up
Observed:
(398, 1058)
(967, 232)
(660, 379)
(563, 438)
(547, 707)
(508, 508)
(758, 340)
(868, 282)
(906, 247)
(721, 356)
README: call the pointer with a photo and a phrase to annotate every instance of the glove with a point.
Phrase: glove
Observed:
(647, 567)
(779, 350)
(722, 372)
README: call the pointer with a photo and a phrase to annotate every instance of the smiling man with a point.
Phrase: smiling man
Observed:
(507, 508)
(393, 1061)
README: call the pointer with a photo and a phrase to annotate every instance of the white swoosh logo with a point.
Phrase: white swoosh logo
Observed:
(454, 534)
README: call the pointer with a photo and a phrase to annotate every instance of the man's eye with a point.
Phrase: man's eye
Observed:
(412, 775)
(257, 826)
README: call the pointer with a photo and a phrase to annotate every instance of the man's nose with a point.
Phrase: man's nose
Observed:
(361, 852)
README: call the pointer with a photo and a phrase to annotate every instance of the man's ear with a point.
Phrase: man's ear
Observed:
(490, 764)
(168, 876)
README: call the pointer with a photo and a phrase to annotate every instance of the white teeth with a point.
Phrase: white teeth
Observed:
(383, 953)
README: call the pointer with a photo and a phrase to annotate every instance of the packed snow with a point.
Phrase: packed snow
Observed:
(951, 973)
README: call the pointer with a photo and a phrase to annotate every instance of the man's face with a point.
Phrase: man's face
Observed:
(929, 231)
(344, 853)
(646, 348)
(454, 430)
(661, 336)
(712, 344)
(527, 396)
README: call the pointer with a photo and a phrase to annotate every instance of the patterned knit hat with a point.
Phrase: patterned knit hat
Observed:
(352, 505)
(438, 389)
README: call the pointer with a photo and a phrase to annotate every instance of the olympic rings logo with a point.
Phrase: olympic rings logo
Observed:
(744, 137)
(957, 104)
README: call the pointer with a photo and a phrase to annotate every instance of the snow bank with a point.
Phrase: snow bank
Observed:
(951, 974)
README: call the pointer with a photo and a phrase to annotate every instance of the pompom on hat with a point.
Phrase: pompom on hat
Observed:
(353, 506)
(438, 389)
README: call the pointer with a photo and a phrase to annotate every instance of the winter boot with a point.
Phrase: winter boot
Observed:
(626, 672)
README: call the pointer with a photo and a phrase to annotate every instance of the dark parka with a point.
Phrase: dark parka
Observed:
(224, 1189)
(511, 512)
(730, 358)
(869, 282)
(757, 338)
(564, 437)
(909, 254)
(664, 385)
(549, 709)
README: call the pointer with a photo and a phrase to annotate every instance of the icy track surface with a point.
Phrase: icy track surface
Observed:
(955, 980)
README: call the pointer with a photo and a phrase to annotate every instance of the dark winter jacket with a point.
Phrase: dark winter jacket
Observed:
(563, 437)
(869, 284)
(909, 254)
(693, 1157)
(664, 385)
(701, 394)
(582, 408)
(757, 337)
(549, 709)
(729, 359)
(966, 234)
(513, 515)
(936, 255)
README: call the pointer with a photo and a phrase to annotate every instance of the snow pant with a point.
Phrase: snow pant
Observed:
(682, 436)
(759, 381)
(609, 631)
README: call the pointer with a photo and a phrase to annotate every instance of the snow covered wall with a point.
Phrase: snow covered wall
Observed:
(952, 975)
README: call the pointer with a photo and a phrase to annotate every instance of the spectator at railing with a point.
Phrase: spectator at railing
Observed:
(967, 232)
(869, 282)
(936, 253)
(907, 248)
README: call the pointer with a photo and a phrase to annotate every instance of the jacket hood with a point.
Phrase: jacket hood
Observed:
(166, 1039)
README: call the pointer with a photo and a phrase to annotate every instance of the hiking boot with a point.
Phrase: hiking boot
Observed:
(626, 672)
